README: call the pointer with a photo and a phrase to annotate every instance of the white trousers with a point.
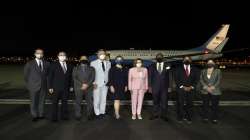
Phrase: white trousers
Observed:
(100, 96)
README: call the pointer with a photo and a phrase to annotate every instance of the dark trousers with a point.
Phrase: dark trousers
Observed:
(89, 101)
(160, 100)
(184, 104)
(206, 98)
(63, 95)
(37, 102)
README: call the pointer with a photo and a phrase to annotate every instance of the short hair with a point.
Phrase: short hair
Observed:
(119, 56)
(61, 52)
(101, 50)
(135, 61)
(38, 49)
(187, 57)
(159, 54)
(210, 60)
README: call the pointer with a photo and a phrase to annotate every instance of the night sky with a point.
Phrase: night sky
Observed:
(78, 29)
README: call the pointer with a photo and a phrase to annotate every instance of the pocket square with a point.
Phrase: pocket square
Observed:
(168, 67)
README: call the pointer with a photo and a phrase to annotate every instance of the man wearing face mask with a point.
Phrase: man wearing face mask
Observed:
(83, 76)
(60, 84)
(159, 83)
(186, 78)
(35, 76)
(101, 66)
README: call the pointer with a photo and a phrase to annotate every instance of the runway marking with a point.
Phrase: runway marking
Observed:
(127, 102)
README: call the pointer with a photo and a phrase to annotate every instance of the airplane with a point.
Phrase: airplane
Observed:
(209, 50)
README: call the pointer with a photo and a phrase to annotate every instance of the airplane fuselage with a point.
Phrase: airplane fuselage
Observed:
(147, 54)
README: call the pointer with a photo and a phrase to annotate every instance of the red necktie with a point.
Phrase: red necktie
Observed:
(186, 70)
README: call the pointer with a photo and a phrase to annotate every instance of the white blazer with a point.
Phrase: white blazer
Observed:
(101, 77)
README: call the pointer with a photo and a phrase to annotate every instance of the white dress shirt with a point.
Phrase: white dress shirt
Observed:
(38, 61)
(64, 65)
(157, 65)
(188, 67)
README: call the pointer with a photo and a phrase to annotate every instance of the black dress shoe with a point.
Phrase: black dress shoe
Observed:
(35, 119)
(54, 120)
(41, 118)
(103, 116)
(65, 118)
(153, 117)
(164, 118)
(98, 117)
(90, 118)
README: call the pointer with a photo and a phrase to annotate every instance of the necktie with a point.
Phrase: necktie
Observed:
(40, 65)
(186, 70)
(64, 67)
(103, 67)
(159, 67)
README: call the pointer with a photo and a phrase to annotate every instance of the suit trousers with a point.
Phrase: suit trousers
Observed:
(63, 95)
(160, 101)
(184, 104)
(37, 102)
(136, 101)
(89, 100)
(100, 96)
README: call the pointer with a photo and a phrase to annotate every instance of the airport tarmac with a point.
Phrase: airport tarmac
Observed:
(15, 123)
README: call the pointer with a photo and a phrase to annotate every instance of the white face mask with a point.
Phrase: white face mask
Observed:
(102, 57)
(62, 58)
(39, 56)
(138, 65)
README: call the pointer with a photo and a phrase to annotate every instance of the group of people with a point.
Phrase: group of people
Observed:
(93, 80)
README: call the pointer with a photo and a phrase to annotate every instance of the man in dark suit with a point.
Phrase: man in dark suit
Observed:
(60, 85)
(35, 76)
(84, 76)
(186, 77)
(159, 83)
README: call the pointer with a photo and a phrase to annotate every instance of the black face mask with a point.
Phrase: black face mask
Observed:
(159, 59)
(84, 62)
(186, 62)
(210, 65)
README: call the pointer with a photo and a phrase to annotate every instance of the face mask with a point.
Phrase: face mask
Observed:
(84, 61)
(39, 56)
(102, 57)
(138, 65)
(186, 62)
(62, 58)
(119, 62)
(210, 65)
(159, 59)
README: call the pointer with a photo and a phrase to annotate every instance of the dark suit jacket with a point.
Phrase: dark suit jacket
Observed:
(34, 78)
(58, 80)
(182, 79)
(83, 75)
(158, 80)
